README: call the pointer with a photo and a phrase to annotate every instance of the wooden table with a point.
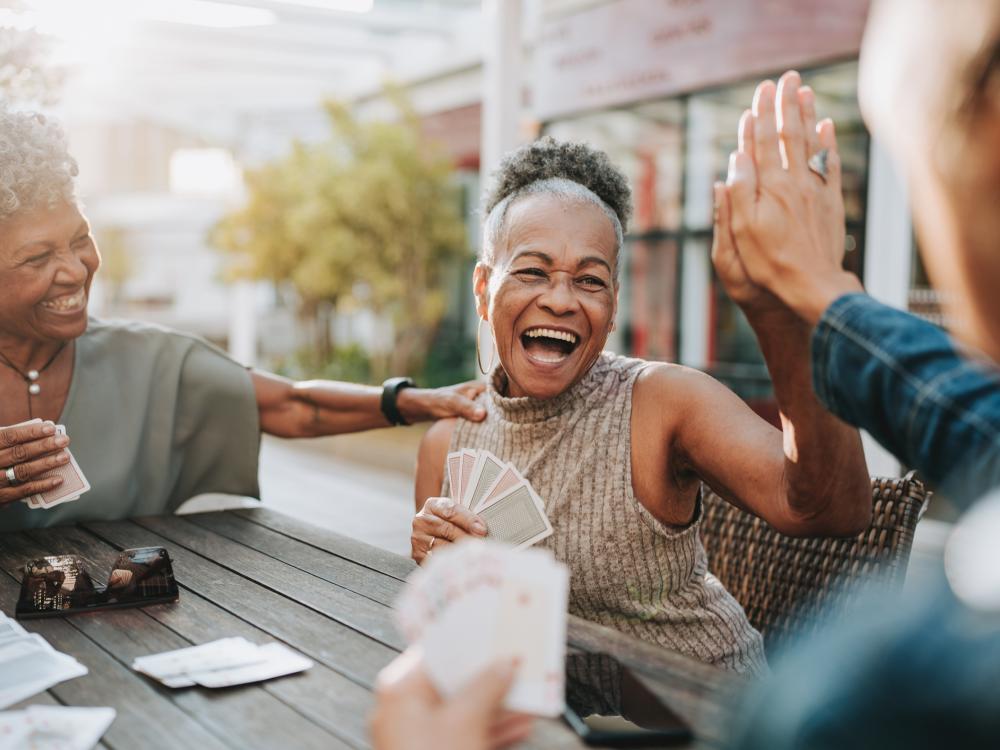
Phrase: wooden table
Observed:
(265, 576)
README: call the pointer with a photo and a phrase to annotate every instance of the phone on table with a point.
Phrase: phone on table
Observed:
(62, 584)
(607, 705)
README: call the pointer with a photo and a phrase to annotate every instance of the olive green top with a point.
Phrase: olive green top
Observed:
(154, 417)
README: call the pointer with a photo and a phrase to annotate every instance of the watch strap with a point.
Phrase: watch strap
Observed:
(390, 391)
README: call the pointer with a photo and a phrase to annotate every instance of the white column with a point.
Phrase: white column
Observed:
(243, 323)
(696, 269)
(502, 82)
(888, 261)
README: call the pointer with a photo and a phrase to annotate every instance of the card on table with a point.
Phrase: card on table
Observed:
(222, 663)
(480, 601)
(54, 727)
(29, 665)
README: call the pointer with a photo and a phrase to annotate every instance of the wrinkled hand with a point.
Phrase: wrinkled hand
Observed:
(423, 404)
(411, 715)
(31, 450)
(787, 223)
(445, 522)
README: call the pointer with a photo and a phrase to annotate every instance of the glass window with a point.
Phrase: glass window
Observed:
(672, 151)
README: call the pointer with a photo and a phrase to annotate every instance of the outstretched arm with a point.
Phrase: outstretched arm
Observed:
(326, 407)
(810, 478)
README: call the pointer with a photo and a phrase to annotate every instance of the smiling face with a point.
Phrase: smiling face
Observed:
(550, 295)
(47, 260)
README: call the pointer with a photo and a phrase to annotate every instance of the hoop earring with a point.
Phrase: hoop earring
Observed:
(479, 358)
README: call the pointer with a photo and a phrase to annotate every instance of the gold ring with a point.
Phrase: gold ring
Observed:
(431, 545)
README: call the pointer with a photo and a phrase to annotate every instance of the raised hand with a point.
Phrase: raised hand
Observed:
(787, 221)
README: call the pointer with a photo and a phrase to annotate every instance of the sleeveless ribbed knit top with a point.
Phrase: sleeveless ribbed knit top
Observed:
(628, 570)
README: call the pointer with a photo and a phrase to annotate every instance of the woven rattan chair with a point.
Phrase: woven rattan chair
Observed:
(788, 585)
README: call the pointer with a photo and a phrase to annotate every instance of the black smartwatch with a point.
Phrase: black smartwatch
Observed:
(390, 390)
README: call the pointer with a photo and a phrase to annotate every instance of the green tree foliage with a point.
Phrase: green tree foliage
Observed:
(369, 218)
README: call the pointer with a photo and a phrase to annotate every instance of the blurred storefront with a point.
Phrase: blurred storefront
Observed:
(660, 87)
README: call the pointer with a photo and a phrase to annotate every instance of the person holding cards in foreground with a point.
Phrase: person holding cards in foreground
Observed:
(614, 448)
(156, 416)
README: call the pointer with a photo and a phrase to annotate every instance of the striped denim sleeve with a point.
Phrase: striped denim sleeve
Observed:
(903, 380)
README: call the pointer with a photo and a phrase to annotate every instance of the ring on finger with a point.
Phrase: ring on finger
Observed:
(818, 164)
(11, 475)
(430, 546)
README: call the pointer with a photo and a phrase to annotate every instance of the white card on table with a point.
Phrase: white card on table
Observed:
(278, 661)
(54, 727)
(224, 653)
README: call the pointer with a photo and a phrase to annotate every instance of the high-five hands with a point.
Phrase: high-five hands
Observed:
(779, 226)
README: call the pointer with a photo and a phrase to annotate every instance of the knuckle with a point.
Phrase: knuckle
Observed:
(19, 452)
(8, 437)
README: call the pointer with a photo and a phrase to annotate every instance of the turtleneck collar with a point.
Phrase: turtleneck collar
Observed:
(526, 409)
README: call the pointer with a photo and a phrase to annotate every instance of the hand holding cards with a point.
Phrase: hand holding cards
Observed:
(499, 495)
(73, 484)
(479, 602)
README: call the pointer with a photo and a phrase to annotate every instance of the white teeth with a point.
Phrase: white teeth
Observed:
(61, 304)
(548, 333)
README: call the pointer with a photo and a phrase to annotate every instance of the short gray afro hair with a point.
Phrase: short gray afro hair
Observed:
(35, 166)
(574, 171)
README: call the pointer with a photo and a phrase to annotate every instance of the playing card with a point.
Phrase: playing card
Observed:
(455, 475)
(499, 603)
(54, 727)
(29, 665)
(225, 653)
(488, 468)
(508, 478)
(73, 486)
(516, 517)
(278, 661)
(466, 465)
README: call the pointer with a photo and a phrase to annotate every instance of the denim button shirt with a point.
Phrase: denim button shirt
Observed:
(903, 380)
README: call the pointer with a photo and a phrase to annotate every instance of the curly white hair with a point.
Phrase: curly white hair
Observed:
(35, 166)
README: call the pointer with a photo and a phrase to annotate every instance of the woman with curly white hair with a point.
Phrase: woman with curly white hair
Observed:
(155, 416)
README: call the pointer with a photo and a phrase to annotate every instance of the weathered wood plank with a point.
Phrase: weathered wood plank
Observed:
(342, 649)
(146, 718)
(254, 716)
(699, 693)
(375, 558)
(353, 610)
(337, 570)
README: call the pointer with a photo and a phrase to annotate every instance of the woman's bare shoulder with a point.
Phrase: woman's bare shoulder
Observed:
(436, 440)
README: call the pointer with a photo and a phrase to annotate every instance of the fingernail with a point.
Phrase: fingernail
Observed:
(62, 441)
(49, 429)
(479, 527)
(56, 481)
(62, 458)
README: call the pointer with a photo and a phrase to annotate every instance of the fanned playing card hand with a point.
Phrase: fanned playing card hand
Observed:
(479, 602)
(496, 491)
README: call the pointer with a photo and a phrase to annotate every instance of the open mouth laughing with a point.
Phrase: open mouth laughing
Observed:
(67, 303)
(549, 346)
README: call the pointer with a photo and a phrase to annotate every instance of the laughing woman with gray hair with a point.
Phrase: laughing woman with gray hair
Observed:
(618, 448)
(155, 416)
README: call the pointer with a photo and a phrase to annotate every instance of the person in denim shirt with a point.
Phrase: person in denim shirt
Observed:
(923, 671)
